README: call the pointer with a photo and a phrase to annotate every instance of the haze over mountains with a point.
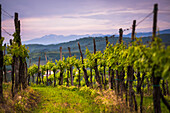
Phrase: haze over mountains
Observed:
(56, 39)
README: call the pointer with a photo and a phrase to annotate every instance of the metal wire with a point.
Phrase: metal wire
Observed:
(6, 32)
(7, 14)
(144, 18)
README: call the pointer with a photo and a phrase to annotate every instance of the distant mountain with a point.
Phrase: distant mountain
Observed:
(146, 34)
(56, 39)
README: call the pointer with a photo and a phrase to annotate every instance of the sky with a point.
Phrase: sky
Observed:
(79, 17)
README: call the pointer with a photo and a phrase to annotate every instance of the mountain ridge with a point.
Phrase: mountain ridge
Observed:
(56, 39)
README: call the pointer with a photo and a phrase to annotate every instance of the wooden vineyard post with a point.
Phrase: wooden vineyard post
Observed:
(29, 74)
(46, 70)
(61, 73)
(22, 64)
(133, 38)
(1, 64)
(117, 82)
(24, 75)
(106, 40)
(120, 35)
(156, 80)
(108, 71)
(91, 79)
(12, 73)
(17, 59)
(17, 29)
(69, 51)
(60, 53)
(85, 71)
(5, 76)
(71, 70)
(96, 68)
(130, 79)
(38, 75)
(45, 57)
(105, 83)
(155, 11)
(117, 72)
(133, 30)
(80, 52)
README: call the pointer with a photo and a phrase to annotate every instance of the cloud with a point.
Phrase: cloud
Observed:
(66, 17)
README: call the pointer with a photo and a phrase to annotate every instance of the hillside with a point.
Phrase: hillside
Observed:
(52, 50)
(57, 39)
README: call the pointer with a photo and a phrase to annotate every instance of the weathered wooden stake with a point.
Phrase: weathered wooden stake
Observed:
(12, 73)
(81, 54)
(1, 64)
(96, 68)
(106, 40)
(133, 30)
(85, 71)
(17, 59)
(45, 57)
(61, 73)
(120, 35)
(29, 74)
(38, 75)
(156, 80)
(17, 29)
(105, 83)
(71, 70)
(155, 11)
(60, 53)
(5, 76)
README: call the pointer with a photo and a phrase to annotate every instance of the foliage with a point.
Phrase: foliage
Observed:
(17, 51)
(49, 65)
(43, 69)
(7, 59)
(1, 42)
(61, 64)
(78, 63)
(33, 69)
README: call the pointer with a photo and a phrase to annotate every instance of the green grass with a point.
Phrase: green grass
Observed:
(72, 100)
(148, 104)
(63, 100)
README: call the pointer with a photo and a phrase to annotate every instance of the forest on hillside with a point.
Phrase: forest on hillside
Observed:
(53, 51)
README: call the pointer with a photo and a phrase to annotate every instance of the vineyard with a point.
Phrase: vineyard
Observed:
(125, 74)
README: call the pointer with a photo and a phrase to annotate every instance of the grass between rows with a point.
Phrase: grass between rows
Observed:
(72, 99)
(60, 99)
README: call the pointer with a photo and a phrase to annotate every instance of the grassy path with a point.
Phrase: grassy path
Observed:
(61, 100)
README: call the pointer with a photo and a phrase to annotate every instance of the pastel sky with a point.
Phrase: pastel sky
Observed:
(66, 17)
